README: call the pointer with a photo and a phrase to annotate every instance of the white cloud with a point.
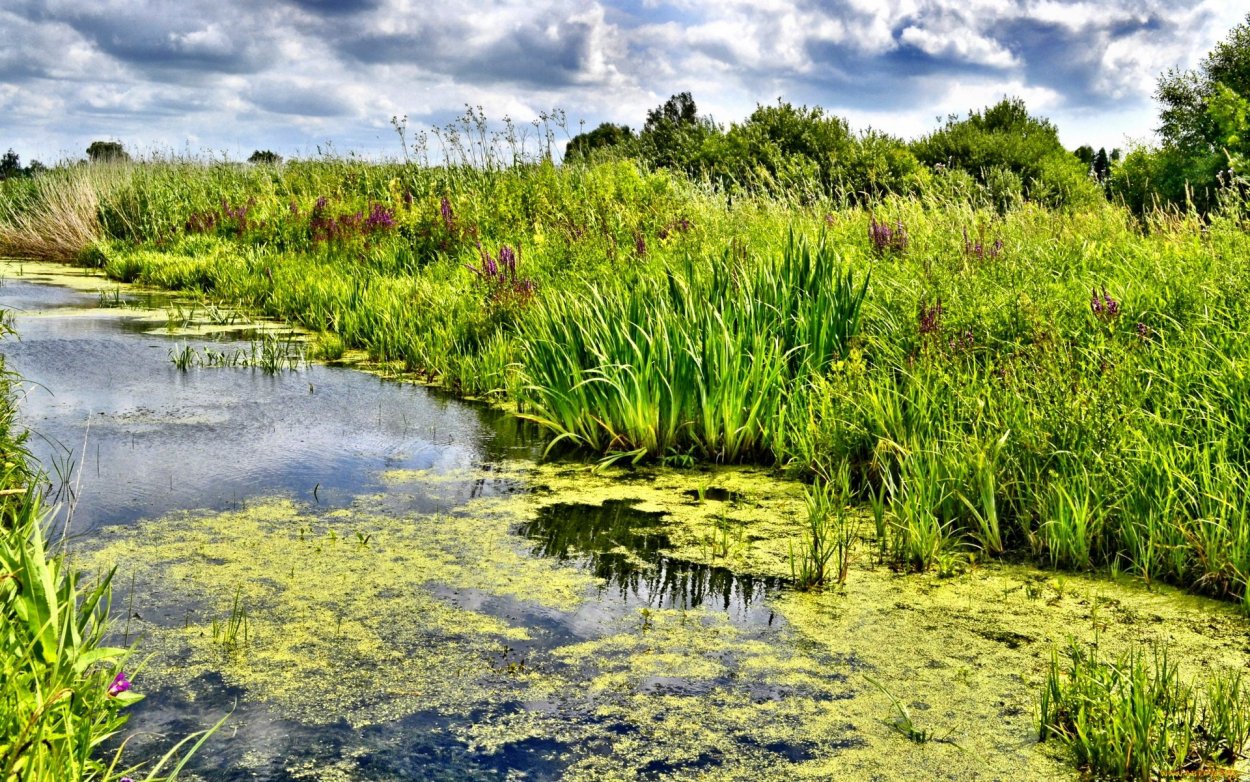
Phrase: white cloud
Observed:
(286, 76)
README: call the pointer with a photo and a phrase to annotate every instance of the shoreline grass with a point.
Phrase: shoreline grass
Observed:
(1067, 385)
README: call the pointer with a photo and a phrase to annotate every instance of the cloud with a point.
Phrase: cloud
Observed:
(288, 75)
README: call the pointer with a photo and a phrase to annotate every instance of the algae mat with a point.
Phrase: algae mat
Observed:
(488, 642)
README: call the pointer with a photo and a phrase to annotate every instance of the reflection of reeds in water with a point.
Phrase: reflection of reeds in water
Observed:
(620, 545)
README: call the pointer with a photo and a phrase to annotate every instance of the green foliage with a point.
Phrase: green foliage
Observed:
(107, 152)
(606, 140)
(1003, 144)
(1205, 128)
(1136, 718)
(265, 157)
(644, 367)
(674, 134)
(10, 165)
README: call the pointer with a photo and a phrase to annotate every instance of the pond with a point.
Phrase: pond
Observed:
(378, 581)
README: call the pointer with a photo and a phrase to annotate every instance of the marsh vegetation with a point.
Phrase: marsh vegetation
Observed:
(980, 380)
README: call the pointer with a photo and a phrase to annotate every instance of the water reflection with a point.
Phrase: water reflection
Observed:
(626, 548)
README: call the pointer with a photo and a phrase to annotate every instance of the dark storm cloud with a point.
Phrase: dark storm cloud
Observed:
(335, 7)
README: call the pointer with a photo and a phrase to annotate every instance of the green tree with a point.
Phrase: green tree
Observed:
(605, 137)
(674, 134)
(107, 152)
(1204, 128)
(1005, 138)
(10, 165)
(264, 157)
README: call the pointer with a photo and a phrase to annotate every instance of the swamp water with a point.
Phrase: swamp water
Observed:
(384, 583)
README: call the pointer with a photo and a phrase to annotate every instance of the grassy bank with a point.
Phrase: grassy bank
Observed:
(1067, 385)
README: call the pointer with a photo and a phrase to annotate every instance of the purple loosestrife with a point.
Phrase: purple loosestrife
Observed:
(1143, 330)
(929, 319)
(1104, 307)
(380, 219)
(449, 219)
(500, 276)
(681, 226)
(120, 684)
(640, 244)
(979, 249)
(885, 239)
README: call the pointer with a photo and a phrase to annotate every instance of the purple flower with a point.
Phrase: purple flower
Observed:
(886, 239)
(507, 259)
(449, 220)
(930, 318)
(1103, 306)
(1143, 330)
(380, 218)
(120, 684)
(640, 244)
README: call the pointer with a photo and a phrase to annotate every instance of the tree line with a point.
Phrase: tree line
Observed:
(1001, 154)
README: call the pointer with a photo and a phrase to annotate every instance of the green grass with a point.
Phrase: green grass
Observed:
(1137, 718)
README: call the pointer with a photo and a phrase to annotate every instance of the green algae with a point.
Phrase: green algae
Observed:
(351, 615)
(342, 618)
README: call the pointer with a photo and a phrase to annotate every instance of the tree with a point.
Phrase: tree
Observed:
(1204, 127)
(107, 152)
(1101, 165)
(606, 136)
(674, 134)
(1004, 148)
(265, 158)
(10, 165)
(678, 110)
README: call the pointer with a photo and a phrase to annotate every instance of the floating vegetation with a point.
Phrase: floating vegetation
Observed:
(568, 621)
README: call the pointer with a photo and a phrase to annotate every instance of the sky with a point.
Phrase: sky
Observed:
(222, 78)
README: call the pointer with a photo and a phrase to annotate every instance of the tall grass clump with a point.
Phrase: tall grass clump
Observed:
(701, 358)
(1136, 718)
(56, 216)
